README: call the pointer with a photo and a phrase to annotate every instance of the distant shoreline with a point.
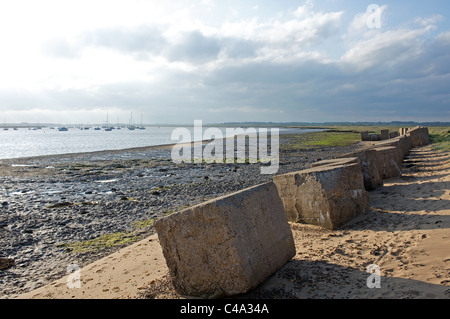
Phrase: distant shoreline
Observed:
(244, 124)
(160, 147)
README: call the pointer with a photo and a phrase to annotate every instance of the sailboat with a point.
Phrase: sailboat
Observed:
(141, 127)
(107, 128)
(131, 127)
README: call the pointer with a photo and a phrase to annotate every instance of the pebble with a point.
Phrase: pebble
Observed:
(6, 263)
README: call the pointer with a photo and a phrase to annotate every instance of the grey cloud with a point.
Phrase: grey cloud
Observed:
(437, 57)
(194, 47)
(301, 87)
(236, 48)
(143, 39)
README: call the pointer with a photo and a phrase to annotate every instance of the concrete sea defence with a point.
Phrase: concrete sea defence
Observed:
(328, 196)
(229, 245)
(369, 166)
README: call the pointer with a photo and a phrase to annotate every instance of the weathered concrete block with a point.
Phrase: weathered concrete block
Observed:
(369, 166)
(404, 144)
(419, 136)
(375, 137)
(384, 135)
(228, 245)
(398, 154)
(365, 136)
(337, 161)
(328, 196)
(407, 141)
(393, 134)
(403, 130)
(387, 159)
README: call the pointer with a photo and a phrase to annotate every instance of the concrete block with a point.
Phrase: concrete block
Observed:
(393, 134)
(328, 196)
(369, 166)
(399, 152)
(419, 136)
(387, 159)
(375, 137)
(403, 131)
(384, 135)
(337, 161)
(228, 245)
(365, 136)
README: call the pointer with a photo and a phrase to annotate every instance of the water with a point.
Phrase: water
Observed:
(25, 143)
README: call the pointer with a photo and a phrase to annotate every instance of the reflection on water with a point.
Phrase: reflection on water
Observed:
(24, 142)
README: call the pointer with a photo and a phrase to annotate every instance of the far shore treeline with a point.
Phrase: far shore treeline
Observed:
(267, 124)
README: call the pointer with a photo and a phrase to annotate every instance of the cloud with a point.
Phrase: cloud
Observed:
(301, 64)
(59, 47)
(193, 47)
(360, 22)
(384, 48)
(208, 3)
(143, 39)
(306, 30)
(429, 20)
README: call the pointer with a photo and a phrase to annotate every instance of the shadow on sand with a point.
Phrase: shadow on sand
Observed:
(322, 280)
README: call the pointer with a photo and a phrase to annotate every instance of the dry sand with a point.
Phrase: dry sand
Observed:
(406, 234)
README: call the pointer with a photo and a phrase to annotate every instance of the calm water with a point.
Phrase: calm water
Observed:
(24, 142)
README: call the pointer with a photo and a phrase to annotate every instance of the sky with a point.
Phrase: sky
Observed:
(224, 61)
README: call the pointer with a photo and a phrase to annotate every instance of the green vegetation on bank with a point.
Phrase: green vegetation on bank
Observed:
(117, 239)
(319, 139)
(101, 242)
(332, 136)
(348, 134)
(440, 137)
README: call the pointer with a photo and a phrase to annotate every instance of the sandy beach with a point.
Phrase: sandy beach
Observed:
(405, 235)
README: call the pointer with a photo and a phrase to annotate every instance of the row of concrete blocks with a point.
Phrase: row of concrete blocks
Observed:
(384, 135)
(230, 245)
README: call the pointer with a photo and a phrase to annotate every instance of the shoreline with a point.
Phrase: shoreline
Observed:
(404, 233)
(65, 199)
(159, 147)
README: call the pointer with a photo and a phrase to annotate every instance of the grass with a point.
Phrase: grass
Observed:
(320, 139)
(143, 223)
(117, 239)
(337, 138)
(440, 137)
(101, 242)
(346, 135)
(62, 204)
